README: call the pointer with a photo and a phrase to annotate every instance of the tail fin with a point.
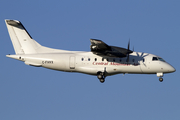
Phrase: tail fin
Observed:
(21, 39)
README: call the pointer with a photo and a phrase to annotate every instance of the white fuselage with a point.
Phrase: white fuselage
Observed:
(88, 63)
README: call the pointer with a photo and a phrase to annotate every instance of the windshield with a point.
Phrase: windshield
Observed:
(158, 59)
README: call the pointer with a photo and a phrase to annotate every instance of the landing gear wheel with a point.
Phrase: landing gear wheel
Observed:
(101, 80)
(160, 79)
(100, 76)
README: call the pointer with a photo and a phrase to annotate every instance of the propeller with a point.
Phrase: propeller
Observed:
(142, 56)
(128, 51)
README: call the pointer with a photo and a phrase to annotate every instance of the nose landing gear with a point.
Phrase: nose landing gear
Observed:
(160, 75)
(160, 79)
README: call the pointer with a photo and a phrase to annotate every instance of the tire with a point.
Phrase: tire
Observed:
(101, 80)
(99, 76)
(160, 79)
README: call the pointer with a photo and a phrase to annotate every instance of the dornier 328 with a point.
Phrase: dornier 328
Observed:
(102, 61)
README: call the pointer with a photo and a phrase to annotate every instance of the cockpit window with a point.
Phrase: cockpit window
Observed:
(161, 59)
(157, 59)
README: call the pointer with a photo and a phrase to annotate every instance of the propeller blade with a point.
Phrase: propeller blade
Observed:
(128, 44)
(127, 59)
(128, 52)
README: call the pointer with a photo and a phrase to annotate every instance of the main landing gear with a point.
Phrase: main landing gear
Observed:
(101, 77)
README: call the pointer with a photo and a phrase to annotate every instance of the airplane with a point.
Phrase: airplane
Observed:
(102, 61)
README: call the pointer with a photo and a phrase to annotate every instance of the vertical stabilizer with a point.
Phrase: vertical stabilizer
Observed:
(21, 39)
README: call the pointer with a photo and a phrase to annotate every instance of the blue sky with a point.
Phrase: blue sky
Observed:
(30, 93)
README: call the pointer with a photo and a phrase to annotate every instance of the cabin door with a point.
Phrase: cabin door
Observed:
(72, 62)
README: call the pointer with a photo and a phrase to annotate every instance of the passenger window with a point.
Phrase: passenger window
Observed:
(107, 59)
(95, 59)
(89, 59)
(102, 59)
(113, 60)
(82, 59)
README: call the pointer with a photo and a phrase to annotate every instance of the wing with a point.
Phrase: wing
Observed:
(98, 47)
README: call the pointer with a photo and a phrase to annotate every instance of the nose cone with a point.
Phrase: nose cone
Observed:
(167, 68)
(170, 68)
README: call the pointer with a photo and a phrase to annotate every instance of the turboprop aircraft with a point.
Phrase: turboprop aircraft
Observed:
(102, 61)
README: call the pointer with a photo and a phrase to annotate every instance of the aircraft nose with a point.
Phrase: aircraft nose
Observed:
(171, 68)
